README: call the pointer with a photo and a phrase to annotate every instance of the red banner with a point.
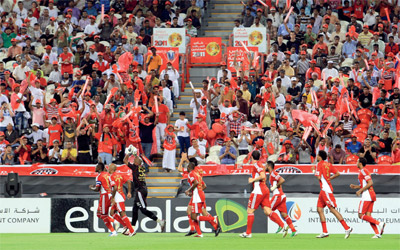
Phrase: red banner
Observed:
(240, 56)
(205, 49)
(59, 170)
(208, 170)
(168, 54)
(212, 170)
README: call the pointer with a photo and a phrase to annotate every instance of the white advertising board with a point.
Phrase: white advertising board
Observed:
(25, 215)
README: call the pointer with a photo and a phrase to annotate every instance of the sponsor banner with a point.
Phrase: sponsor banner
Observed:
(174, 37)
(251, 37)
(241, 56)
(24, 215)
(209, 170)
(303, 212)
(167, 54)
(59, 170)
(205, 49)
(80, 216)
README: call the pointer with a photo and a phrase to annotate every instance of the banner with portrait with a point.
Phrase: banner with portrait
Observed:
(173, 37)
(205, 50)
(251, 37)
(167, 54)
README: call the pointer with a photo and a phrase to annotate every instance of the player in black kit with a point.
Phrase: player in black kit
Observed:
(140, 190)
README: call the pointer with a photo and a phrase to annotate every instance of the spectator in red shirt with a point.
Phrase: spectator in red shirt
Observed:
(107, 145)
(66, 62)
(163, 120)
(55, 131)
(23, 151)
(396, 151)
(391, 47)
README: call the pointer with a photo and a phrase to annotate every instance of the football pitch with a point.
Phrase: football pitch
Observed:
(174, 241)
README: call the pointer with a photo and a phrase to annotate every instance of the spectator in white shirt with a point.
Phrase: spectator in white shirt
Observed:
(92, 28)
(220, 72)
(330, 71)
(53, 57)
(22, 13)
(55, 75)
(36, 134)
(20, 70)
(183, 132)
(173, 76)
(196, 151)
(167, 97)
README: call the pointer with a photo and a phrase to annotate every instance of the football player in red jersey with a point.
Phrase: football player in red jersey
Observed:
(368, 198)
(118, 198)
(103, 186)
(325, 172)
(196, 191)
(278, 200)
(259, 195)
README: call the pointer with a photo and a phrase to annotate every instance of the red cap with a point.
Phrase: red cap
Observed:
(223, 63)
(68, 16)
(38, 101)
(259, 10)
(307, 85)
(106, 16)
(380, 25)
(313, 61)
(100, 54)
(96, 36)
(303, 53)
(88, 94)
(53, 100)
(309, 26)
(48, 47)
(168, 3)
(338, 129)
(124, 37)
(52, 18)
(288, 141)
(155, 2)
(325, 26)
(92, 17)
(189, 20)
(13, 40)
(390, 54)
(288, 52)
(139, 37)
(112, 9)
(366, 26)
(284, 117)
(1, 133)
(46, 57)
(55, 63)
(331, 102)
(260, 142)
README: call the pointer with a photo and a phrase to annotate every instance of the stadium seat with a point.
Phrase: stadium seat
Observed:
(118, 16)
(240, 159)
(348, 62)
(385, 159)
(361, 131)
(343, 26)
(9, 65)
(352, 159)
(214, 150)
(89, 43)
(364, 113)
(105, 43)
(213, 159)
(273, 158)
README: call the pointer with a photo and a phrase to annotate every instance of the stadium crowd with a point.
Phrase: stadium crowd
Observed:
(330, 83)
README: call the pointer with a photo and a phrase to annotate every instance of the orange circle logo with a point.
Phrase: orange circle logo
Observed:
(175, 39)
(213, 49)
(255, 38)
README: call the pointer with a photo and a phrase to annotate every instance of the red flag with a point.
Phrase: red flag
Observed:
(24, 86)
(124, 61)
(148, 162)
(304, 117)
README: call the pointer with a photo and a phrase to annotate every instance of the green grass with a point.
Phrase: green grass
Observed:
(173, 241)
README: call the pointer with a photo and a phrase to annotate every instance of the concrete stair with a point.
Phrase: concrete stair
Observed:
(162, 184)
(222, 13)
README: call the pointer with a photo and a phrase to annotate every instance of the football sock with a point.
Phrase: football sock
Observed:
(111, 219)
(344, 225)
(275, 218)
(118, 218)
(107, 222)
(375, 228)
(208, 218)
(128, 224)
(250, 220)
(191, 223)
(197, 227)
(369, 219)
(324, 229)
(290, 223)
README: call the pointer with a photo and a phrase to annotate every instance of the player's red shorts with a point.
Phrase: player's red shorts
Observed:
(119, 206)
(365, 207)
(256, 199)
(191, 203)
(326, 199)
(104, 204)
(197, 207)
(279, 202)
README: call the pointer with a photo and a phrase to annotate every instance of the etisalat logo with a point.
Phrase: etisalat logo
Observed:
(225, 205)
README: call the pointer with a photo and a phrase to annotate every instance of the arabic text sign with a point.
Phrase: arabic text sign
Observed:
(24, 215)
(205, 49)
(174, 37)
(303, 212)
(250, 37)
